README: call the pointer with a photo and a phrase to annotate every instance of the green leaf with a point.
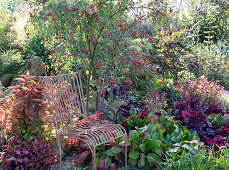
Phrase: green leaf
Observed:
(142, 147)
(153, 144)
(139, 123)
(168, 139)
(31, 138)
(97, 161)
(158, 152)
(109, 152)
(158, 143)
(154, 136)
(130, 122)
(183, 142)
(135, 135)
(25, 136)
(142, 162)
(107, 162)
(115, 150)
(132, 110)
(150, 145)
(132, 162)
(151, 157)
(134, 154)
(174, 139)
(161, 132)
(186, 131)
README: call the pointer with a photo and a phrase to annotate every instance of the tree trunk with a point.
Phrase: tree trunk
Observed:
(88, 82)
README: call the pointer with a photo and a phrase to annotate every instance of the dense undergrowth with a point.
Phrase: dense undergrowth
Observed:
(162, 74)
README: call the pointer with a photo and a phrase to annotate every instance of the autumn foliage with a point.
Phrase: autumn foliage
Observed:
(25, 104)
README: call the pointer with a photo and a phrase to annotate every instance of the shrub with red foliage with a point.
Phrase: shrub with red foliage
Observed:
(208, 91)
(25, 105)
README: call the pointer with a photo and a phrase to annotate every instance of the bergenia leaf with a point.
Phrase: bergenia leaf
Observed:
(134, 154)
(109, 153)
(115, 150)
(142, 147)
(141, 161)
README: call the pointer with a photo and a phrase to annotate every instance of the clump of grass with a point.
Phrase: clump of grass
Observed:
(225, 99)
(200, 160)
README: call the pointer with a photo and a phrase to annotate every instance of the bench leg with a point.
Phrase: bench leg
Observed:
(126, 152)
(94, 158)
(60, 153)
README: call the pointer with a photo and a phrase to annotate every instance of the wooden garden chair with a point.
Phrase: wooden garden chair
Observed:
(66, 99)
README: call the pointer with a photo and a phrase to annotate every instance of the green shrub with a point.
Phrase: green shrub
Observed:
(150, 143)
(11, 53)
(172, 96)
(225, 99)
(35, 47)
(11, 61)
(213, 62)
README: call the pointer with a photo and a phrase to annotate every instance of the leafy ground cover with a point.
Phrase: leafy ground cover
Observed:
(160, 72)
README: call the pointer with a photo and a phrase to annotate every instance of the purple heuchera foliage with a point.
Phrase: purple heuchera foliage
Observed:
(217, 141)
(193, 114)
(224, 129)
(215, 109)
(124, 110)
(35, 154)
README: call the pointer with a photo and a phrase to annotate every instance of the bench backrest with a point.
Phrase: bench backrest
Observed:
(65, 96)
